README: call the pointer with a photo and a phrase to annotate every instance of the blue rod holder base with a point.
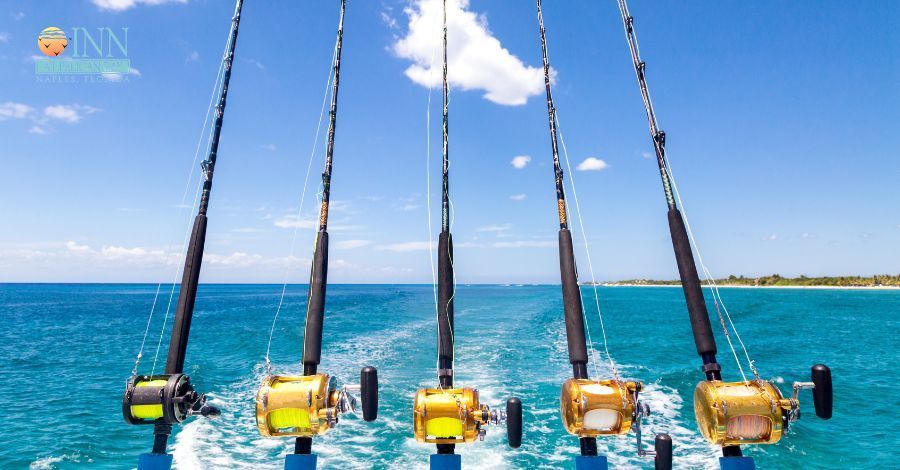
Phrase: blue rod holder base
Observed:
(445, 462)
(154, 462)
(591, 462)
(736, 463)
(300, 462)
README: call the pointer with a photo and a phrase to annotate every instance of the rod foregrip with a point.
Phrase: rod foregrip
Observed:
(445, 302)
(186, 297)
(690, 282)
(315, 310)
(574, 314)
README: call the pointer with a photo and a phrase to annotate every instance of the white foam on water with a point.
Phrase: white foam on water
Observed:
(49, 462)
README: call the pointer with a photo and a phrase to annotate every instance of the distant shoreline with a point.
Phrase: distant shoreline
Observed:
(613, 284)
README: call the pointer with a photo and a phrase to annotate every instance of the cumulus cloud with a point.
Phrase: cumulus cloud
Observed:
(122, 5)
(68, 113)
(520, 161)
(351, 244)
(10, 110)
(407, 246)
(4, 36)
(494, 228)
(592, 164)
(518, 197)
(476, 59)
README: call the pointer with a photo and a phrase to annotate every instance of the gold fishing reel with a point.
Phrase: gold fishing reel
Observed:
(310, 405)
(592, 408)
(755, 412)
(163, 399)
(455, 415)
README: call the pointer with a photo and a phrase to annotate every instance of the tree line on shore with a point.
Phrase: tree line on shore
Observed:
(877, 280)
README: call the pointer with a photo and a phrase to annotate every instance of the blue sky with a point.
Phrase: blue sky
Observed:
(780, 118)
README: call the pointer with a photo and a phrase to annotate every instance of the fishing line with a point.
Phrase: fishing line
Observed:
(328, 85)
(587, 250)
(181, 207)
(714, 288)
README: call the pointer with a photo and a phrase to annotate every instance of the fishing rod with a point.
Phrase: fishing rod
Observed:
(599, 407)
(446, 416)
(729, 413)
(170, 398)
(308, 405)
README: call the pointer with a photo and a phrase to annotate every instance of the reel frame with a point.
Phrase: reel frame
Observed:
(582, 397)
(314, 402)
(173, 393)
(756, 412)
(459, 410)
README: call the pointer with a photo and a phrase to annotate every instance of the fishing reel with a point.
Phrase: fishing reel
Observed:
(163, 399)
(592, 408)
(310, 405)
(755, 412)
(454, 415)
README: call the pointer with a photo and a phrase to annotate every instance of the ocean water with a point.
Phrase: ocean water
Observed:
(66, 351)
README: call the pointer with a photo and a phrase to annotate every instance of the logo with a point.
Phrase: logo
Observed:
(52, 41)
(95, 54)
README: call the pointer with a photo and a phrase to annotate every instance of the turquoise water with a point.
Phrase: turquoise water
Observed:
(66, 350)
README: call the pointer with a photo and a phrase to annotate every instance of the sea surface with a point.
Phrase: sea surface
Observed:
(66, 351)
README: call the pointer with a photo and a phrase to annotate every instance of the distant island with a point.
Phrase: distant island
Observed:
(776, 280)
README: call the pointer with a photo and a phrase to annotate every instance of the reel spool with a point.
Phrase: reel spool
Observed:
(163, 399)
(755, 412)
(591, 408)
(454, 415)
(310, 405)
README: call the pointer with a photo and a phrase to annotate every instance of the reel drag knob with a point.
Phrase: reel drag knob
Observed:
(514, 422)
(823, 396)
(368, 392)
(663, 448)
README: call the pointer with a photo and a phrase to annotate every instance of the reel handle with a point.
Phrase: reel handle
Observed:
(368, 392)
(514, 422)
(663, 447)
(823, 397)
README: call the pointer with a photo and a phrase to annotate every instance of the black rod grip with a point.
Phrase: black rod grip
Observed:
(368, 392)
(514, 422)
(690, 282)
(315, 304)
(663, 447)
(823, 396)
(574, 314)
(445, 303)
(187, 295)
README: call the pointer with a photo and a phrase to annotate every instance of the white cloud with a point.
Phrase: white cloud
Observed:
(494, 228)
(520, 161)
(773, 236)
(592, 164)
(122, 5)
(525, 244)
(255, 63)
(10, 110)
(476, 59)
(4, 36)
(518, 197)
(18, 15)
(37, 130)
(351, 244)
(269, 147)
(68, 113)
(646, 154)
(117, 77)
(295, 222)
(194, 56)
(407, 246)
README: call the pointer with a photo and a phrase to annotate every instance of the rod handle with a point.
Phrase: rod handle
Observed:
(514, 422)
(368, 392)
(823, 396)
(663, 447)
